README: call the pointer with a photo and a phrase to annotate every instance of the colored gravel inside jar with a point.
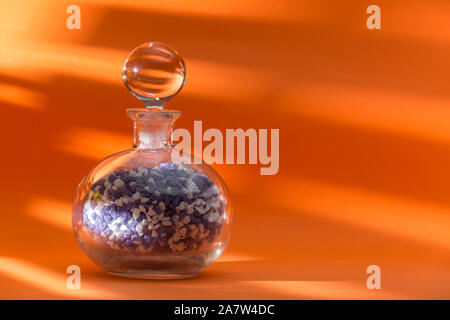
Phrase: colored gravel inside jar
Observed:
(169, 208)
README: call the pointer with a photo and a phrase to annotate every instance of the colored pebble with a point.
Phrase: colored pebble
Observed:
(170, 208)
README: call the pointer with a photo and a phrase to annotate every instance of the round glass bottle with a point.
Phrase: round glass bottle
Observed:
(145, 212)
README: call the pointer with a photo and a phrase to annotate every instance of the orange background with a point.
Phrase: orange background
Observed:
(364, 119)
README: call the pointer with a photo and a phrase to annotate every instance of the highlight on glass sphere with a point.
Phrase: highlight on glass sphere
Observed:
(154, 72)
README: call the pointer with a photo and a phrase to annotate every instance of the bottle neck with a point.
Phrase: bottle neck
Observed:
(153, 128)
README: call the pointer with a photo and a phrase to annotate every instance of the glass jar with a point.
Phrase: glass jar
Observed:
(144, 212)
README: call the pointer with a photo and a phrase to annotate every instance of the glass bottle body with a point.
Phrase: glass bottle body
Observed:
(141, 213)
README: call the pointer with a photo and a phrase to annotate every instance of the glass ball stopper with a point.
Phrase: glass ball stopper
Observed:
(154, 73)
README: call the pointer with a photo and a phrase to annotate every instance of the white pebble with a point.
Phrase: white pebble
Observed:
(133, 173)
(151, 212)
(192, 187)
(119, 183)
(181, 206)
(200, 210)
(186, 219)
(100, 204)
(136, 196)
(199, 202)
(136, 213)
(143, 170)
(119, 220)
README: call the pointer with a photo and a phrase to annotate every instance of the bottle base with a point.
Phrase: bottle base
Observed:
(157, 267)
(152, 276)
